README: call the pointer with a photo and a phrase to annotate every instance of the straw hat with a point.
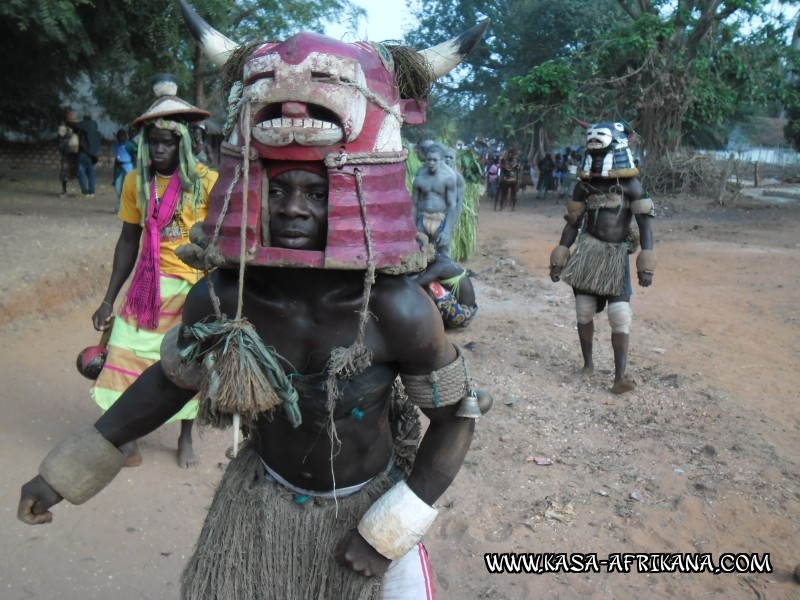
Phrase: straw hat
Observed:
(168, 105)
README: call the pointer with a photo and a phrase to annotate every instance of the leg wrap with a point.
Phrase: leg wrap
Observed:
(81, 465)
(585, 308)
(443, 387)
(620, 317)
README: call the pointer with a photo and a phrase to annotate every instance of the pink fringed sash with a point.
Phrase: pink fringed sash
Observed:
(144, 294)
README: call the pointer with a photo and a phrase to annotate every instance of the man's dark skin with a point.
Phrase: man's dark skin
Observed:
(304, 314)
(608, 225)
(163, 147)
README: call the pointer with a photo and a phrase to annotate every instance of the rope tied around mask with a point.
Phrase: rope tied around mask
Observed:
(244, 377)
(349, 361)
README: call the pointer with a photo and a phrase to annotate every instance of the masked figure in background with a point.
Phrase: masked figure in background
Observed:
(606, 199)
(303, 333)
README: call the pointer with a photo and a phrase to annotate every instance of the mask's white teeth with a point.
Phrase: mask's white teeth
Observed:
(303, 123)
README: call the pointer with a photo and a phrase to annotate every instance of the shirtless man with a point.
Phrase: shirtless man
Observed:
(604, 203)
(404, 334)
(450, 161)
(314, 494)
(435, 201)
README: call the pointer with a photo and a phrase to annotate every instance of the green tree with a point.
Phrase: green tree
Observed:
(678, 72)
(521, 35)
(47, 46)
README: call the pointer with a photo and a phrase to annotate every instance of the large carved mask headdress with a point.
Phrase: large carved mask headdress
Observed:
(607, 152)
(313, 98)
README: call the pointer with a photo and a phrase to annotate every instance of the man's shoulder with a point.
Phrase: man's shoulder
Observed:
(397, 297)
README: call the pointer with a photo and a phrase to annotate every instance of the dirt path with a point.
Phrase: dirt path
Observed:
(702, 457)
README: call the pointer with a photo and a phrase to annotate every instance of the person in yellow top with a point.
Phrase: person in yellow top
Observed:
(161, 199)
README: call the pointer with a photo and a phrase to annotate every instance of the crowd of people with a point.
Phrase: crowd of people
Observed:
(556, 173)
(80, 145)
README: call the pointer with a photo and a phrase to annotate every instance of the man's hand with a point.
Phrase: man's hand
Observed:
(645, 278)
(555, 273)
(101, 319)
(36, 497)
(442, 267)
(354, 552)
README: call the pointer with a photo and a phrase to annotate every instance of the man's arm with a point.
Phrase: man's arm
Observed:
(645, 263)
(442, 450)
(146, 405)
(561, 252)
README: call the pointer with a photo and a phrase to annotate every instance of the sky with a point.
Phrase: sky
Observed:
(386, 20)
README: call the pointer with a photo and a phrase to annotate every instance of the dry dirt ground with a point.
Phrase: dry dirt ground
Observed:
(701, 458)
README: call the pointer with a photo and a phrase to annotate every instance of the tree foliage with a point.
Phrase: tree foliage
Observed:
(49, 46)
(521, 35)
(678, 71)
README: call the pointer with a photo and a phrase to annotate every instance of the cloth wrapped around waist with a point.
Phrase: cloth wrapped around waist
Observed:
(432, 223)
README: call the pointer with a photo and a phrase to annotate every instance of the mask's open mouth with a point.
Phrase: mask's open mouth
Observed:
(595, 144)
(285, 123)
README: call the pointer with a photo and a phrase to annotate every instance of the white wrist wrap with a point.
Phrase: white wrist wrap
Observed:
(396, 521)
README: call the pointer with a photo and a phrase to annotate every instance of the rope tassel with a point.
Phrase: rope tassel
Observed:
(243, 377)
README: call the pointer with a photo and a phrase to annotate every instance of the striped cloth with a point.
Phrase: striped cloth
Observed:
(131, 351)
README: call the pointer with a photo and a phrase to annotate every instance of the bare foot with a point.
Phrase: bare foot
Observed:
(587, 370)
(133, 458)
(625, 385)
(186, 456)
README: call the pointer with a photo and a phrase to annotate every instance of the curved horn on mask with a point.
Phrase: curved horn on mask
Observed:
(214, 45)
(444, 57)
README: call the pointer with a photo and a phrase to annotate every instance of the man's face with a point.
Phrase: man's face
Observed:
(450, 159)
(298, 211)
(163, 147)
(432, 161)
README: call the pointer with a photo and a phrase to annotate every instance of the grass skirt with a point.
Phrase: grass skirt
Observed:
(258, 544)
(597, 267)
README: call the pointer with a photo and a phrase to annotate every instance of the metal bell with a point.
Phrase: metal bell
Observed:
(468, 408)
